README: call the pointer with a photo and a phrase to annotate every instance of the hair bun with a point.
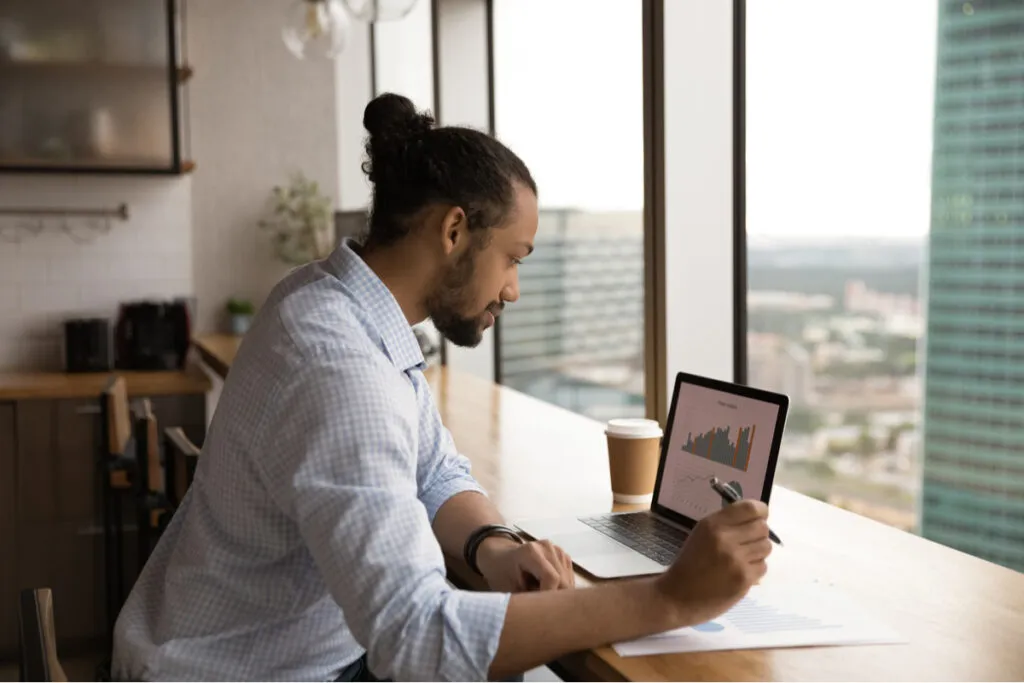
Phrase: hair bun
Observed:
(392, 122)
(394, 117)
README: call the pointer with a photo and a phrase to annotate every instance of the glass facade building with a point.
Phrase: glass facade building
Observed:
(973, 466)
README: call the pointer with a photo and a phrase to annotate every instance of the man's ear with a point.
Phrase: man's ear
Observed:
(454, 231)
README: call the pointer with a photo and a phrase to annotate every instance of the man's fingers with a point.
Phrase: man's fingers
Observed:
(751, 532)
(561, 562)
(568, 575)
(542, 568)
(757, 551)
(756, 571)
(741, 512)
(557, 557)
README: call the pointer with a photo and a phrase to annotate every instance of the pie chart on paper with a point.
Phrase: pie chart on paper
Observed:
(709, 627)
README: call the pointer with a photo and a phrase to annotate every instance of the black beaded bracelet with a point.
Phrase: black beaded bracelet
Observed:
(479, 535)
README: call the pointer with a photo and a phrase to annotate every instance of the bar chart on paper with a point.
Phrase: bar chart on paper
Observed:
(773, 616)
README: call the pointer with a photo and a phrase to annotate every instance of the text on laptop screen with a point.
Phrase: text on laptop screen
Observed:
(715, 434)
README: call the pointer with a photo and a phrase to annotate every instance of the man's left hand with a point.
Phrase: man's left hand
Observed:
(510, 567)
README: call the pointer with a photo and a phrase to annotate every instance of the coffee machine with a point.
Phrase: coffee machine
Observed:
(153, 335)
(87, 345)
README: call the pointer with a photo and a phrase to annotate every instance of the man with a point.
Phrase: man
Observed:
(310, 544)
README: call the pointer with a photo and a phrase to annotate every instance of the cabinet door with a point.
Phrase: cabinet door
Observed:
(37, 463)
(8, 536)
(77, 446)
(59, 532)
(87, 84)
(79, 606)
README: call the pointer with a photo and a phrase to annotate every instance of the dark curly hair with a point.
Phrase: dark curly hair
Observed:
(412, 164)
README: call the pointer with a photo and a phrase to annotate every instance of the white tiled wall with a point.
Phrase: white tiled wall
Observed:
(47, 278)
(256, 115)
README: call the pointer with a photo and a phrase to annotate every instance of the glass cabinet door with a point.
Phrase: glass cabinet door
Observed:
(88, 85)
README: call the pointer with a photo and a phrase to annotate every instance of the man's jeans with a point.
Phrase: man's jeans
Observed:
(359, 671)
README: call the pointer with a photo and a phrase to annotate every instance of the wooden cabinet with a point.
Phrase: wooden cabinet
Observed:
(51, 510)
(8, 536)
(91, 85)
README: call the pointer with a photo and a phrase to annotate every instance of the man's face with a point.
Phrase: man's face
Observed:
(473, 289)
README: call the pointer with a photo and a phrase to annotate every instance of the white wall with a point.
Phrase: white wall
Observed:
(47, 278)
(256, 114)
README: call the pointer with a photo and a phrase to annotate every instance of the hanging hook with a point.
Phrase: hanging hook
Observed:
(31, 221)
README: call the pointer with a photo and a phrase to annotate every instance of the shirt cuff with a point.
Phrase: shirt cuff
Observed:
(439, 493)
(474, 622)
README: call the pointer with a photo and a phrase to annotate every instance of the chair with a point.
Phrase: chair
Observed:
(162, 481)
(153, 508)
(117, 464)
(38, 637)
(181, 456)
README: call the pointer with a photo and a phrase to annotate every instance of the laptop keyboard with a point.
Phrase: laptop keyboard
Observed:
(641, 532)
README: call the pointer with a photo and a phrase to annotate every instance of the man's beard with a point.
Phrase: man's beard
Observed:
(453, 295)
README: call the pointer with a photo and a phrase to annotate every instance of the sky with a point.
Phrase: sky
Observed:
(839, 109)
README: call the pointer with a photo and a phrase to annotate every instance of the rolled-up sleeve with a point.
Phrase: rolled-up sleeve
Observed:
(443, 471)
(344, 468)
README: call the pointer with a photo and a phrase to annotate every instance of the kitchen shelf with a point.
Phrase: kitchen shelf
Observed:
(96, 87)
(106, 166)
(43, 69)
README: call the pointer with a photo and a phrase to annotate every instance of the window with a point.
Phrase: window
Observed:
(575, 116)
(403, 56)
(839, 145)
(885, 220)
(403, 64)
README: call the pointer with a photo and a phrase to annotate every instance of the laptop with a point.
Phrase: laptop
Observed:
(715, 429)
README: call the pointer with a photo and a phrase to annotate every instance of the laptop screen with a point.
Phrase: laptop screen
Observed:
(715, 434)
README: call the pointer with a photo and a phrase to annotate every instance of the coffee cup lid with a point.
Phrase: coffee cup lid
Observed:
(633, 428)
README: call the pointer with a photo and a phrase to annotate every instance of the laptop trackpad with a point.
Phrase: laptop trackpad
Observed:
(575, 537)
(588, 543)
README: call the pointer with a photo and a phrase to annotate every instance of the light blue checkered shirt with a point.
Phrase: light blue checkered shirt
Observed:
(305, 538)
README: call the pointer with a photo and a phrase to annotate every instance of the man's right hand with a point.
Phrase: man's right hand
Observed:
(722, 558)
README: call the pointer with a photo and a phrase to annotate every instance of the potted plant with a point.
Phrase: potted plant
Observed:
(240, 311)
(301, 221)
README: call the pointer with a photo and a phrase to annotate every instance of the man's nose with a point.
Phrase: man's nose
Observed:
(511, 291)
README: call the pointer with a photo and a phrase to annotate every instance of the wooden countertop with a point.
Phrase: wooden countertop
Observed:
(218, 351)
(962, 615)
(16, 386)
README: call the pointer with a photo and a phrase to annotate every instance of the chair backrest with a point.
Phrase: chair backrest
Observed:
(117, 428)
(181, 456)
(152, 507)
(38, 637)
(151, 473)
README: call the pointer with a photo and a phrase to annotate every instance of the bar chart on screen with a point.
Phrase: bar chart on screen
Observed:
(722, 445)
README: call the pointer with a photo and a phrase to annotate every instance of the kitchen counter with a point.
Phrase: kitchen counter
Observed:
(218, 351)
(16, 386)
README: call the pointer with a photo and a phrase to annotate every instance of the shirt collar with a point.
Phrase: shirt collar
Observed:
(379, 304)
